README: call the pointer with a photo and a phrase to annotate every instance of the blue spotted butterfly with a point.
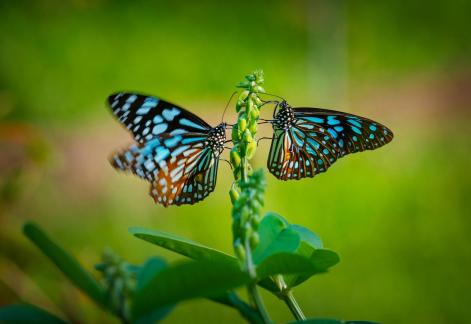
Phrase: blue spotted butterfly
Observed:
(176, 151)
(307, 141)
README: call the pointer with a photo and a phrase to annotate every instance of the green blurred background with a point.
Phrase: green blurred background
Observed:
(399, 216)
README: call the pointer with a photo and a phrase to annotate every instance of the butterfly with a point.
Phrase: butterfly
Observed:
(307, 141)
(176, 151)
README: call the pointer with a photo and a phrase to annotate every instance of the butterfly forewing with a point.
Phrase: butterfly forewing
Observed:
(307, 141)
(353, 133)
(147, 117)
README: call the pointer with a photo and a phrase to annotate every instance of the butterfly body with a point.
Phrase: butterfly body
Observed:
(284, 118)
(176, 151)
(217, 138)
(307, 141)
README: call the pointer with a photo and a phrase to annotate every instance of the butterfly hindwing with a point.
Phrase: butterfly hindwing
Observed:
(141, 159)
(147, 117)
(186, 186)
(182, 168)
(301, 152)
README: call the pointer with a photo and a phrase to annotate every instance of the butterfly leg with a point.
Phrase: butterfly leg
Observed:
(264, 138)
(227, 162)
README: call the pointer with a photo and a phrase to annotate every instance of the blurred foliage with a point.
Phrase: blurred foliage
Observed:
(399, 216)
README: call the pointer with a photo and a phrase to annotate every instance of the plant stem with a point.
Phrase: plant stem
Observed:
(244, 171)
(287, 295)
(252, 287)
(293, 305)
(253, 290)
(247, 194)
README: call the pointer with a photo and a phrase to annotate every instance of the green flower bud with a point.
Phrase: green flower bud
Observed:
(259, 197)
(254, 240)
(239, 250)
(255, 221)
(234, 194)
(243, 95)
(250, 150)
(235, 157)
(241, 201)
(250, 77)
(255, 113)
(235, 223)
(255, 206)
(248, 230)
(244, 84)
(258, 89)
(236, 172)
(239, 105)
(248, 136)
(257, 100)
(253, 128)
(244, 214)
(235, 133)
(242, 123)
(249, 104)
(258, 76)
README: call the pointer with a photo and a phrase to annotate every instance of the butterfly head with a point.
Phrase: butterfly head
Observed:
(217, 138)
(284, 118)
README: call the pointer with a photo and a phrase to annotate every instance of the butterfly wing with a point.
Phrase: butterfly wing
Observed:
(147, 117)
(188, 184)
(353, 133)
(317, 138)
(182, 168)
(296, 153)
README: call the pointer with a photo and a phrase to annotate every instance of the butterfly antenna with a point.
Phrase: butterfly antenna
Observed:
(273, 95)
(227, 105)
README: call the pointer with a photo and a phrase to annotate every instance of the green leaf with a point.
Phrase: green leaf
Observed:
(278, 239)
(276, 236)
(146, 273)
(307, 236)
(204, 279)
(292, 267)
(329, 321)
(69, 266)
(285, 263)
(232, 300)
(184, 281)
(23, 313)
(321, 260)
(183, 246)
(207, 278)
